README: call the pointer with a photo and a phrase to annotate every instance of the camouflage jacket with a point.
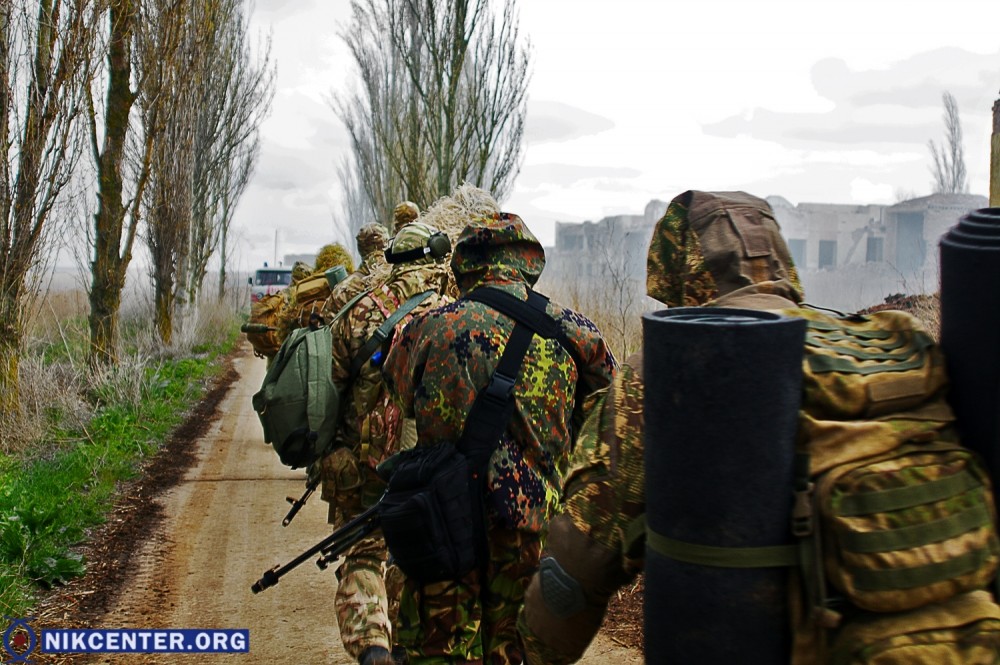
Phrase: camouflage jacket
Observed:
(446, 356)
(371, 424)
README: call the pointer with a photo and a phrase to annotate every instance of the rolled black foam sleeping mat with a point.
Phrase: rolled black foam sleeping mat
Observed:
(970, 330)
(722, 394)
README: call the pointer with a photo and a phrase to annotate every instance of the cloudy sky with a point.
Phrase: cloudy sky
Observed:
(631, 100)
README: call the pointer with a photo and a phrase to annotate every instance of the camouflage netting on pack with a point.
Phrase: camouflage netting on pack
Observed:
(331, 255)
(269, 311)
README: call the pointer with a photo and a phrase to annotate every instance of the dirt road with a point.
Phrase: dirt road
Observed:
(221, 529)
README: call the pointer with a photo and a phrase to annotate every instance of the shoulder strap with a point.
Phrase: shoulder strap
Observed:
(491, 412)
(382, 333)
(531, 313)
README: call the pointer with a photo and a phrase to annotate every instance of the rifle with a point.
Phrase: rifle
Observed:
(313, 478)
(329, 549)
(259, 328)
(297, 504)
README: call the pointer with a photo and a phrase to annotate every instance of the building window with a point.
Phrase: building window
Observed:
(911, 249)
(874, 251)
(827, 254)
(797, 248)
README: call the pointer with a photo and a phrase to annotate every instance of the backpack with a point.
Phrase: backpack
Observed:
(894, 521)
(273, 317)
(265, 331)
(897, 516)
(298, 404)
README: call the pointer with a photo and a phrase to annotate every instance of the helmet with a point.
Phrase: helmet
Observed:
(417, 242)
(372, 238)
(404, 213)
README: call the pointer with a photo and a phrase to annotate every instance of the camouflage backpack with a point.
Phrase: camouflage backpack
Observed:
(895, 516)
(266, 324)
(273, 318)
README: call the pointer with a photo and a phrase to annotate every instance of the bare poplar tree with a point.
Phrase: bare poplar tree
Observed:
(206, 148)
(234, 95)
(441, 98)
(167, 104)
(123, 151)
(950, 176)
(45, 57)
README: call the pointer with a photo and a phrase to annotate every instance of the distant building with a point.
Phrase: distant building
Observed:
(885, 249)
(828, 236)
(590, 250)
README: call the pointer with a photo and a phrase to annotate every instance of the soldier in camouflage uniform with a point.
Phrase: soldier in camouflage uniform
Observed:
(699, 255)
(435, 371)
(371, 241)
(368, 434)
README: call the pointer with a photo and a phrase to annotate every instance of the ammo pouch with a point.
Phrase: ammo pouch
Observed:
(427, 514)
(433, 514)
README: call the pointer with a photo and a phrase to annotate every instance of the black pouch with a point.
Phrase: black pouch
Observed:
(427, 514)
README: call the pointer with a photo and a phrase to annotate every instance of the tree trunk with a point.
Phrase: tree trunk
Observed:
(110, 263)
(163, 305)
(10, 348)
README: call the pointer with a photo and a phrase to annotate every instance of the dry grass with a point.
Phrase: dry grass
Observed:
(60, 392)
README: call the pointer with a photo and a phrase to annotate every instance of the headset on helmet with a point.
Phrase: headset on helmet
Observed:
(438, 246)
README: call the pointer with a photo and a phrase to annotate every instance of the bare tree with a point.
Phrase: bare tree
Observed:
(949, 163)
(170, 27)
(234, 95)
(45, 57)
(122, 157)
(206, 148)
(441, 100)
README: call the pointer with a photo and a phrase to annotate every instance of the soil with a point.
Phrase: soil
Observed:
(185, 542)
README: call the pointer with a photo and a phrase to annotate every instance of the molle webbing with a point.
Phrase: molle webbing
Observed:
(895, 351)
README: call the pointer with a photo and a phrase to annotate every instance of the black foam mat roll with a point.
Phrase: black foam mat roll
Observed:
(970, 330)
(722, 393)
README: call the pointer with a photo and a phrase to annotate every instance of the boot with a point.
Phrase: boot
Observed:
(376, 656)
(399, 655)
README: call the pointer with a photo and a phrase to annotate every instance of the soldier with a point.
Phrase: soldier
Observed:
(371, 241)
(591, 540)
(435, 371)
(370, 432)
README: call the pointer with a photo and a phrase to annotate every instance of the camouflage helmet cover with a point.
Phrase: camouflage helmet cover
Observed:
(403, 214)
(372, 239)
(414, 235)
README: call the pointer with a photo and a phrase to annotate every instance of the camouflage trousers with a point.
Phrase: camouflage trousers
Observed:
(471, 620)
(367, 598)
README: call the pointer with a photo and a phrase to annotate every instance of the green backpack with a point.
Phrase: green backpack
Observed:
(298, 404)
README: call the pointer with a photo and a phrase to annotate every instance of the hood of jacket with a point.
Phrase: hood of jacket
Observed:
(710, 244)
(498, 249)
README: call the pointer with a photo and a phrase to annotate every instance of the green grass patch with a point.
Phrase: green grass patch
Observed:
(49, 501)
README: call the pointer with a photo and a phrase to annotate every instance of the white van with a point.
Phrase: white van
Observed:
(266, 281)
